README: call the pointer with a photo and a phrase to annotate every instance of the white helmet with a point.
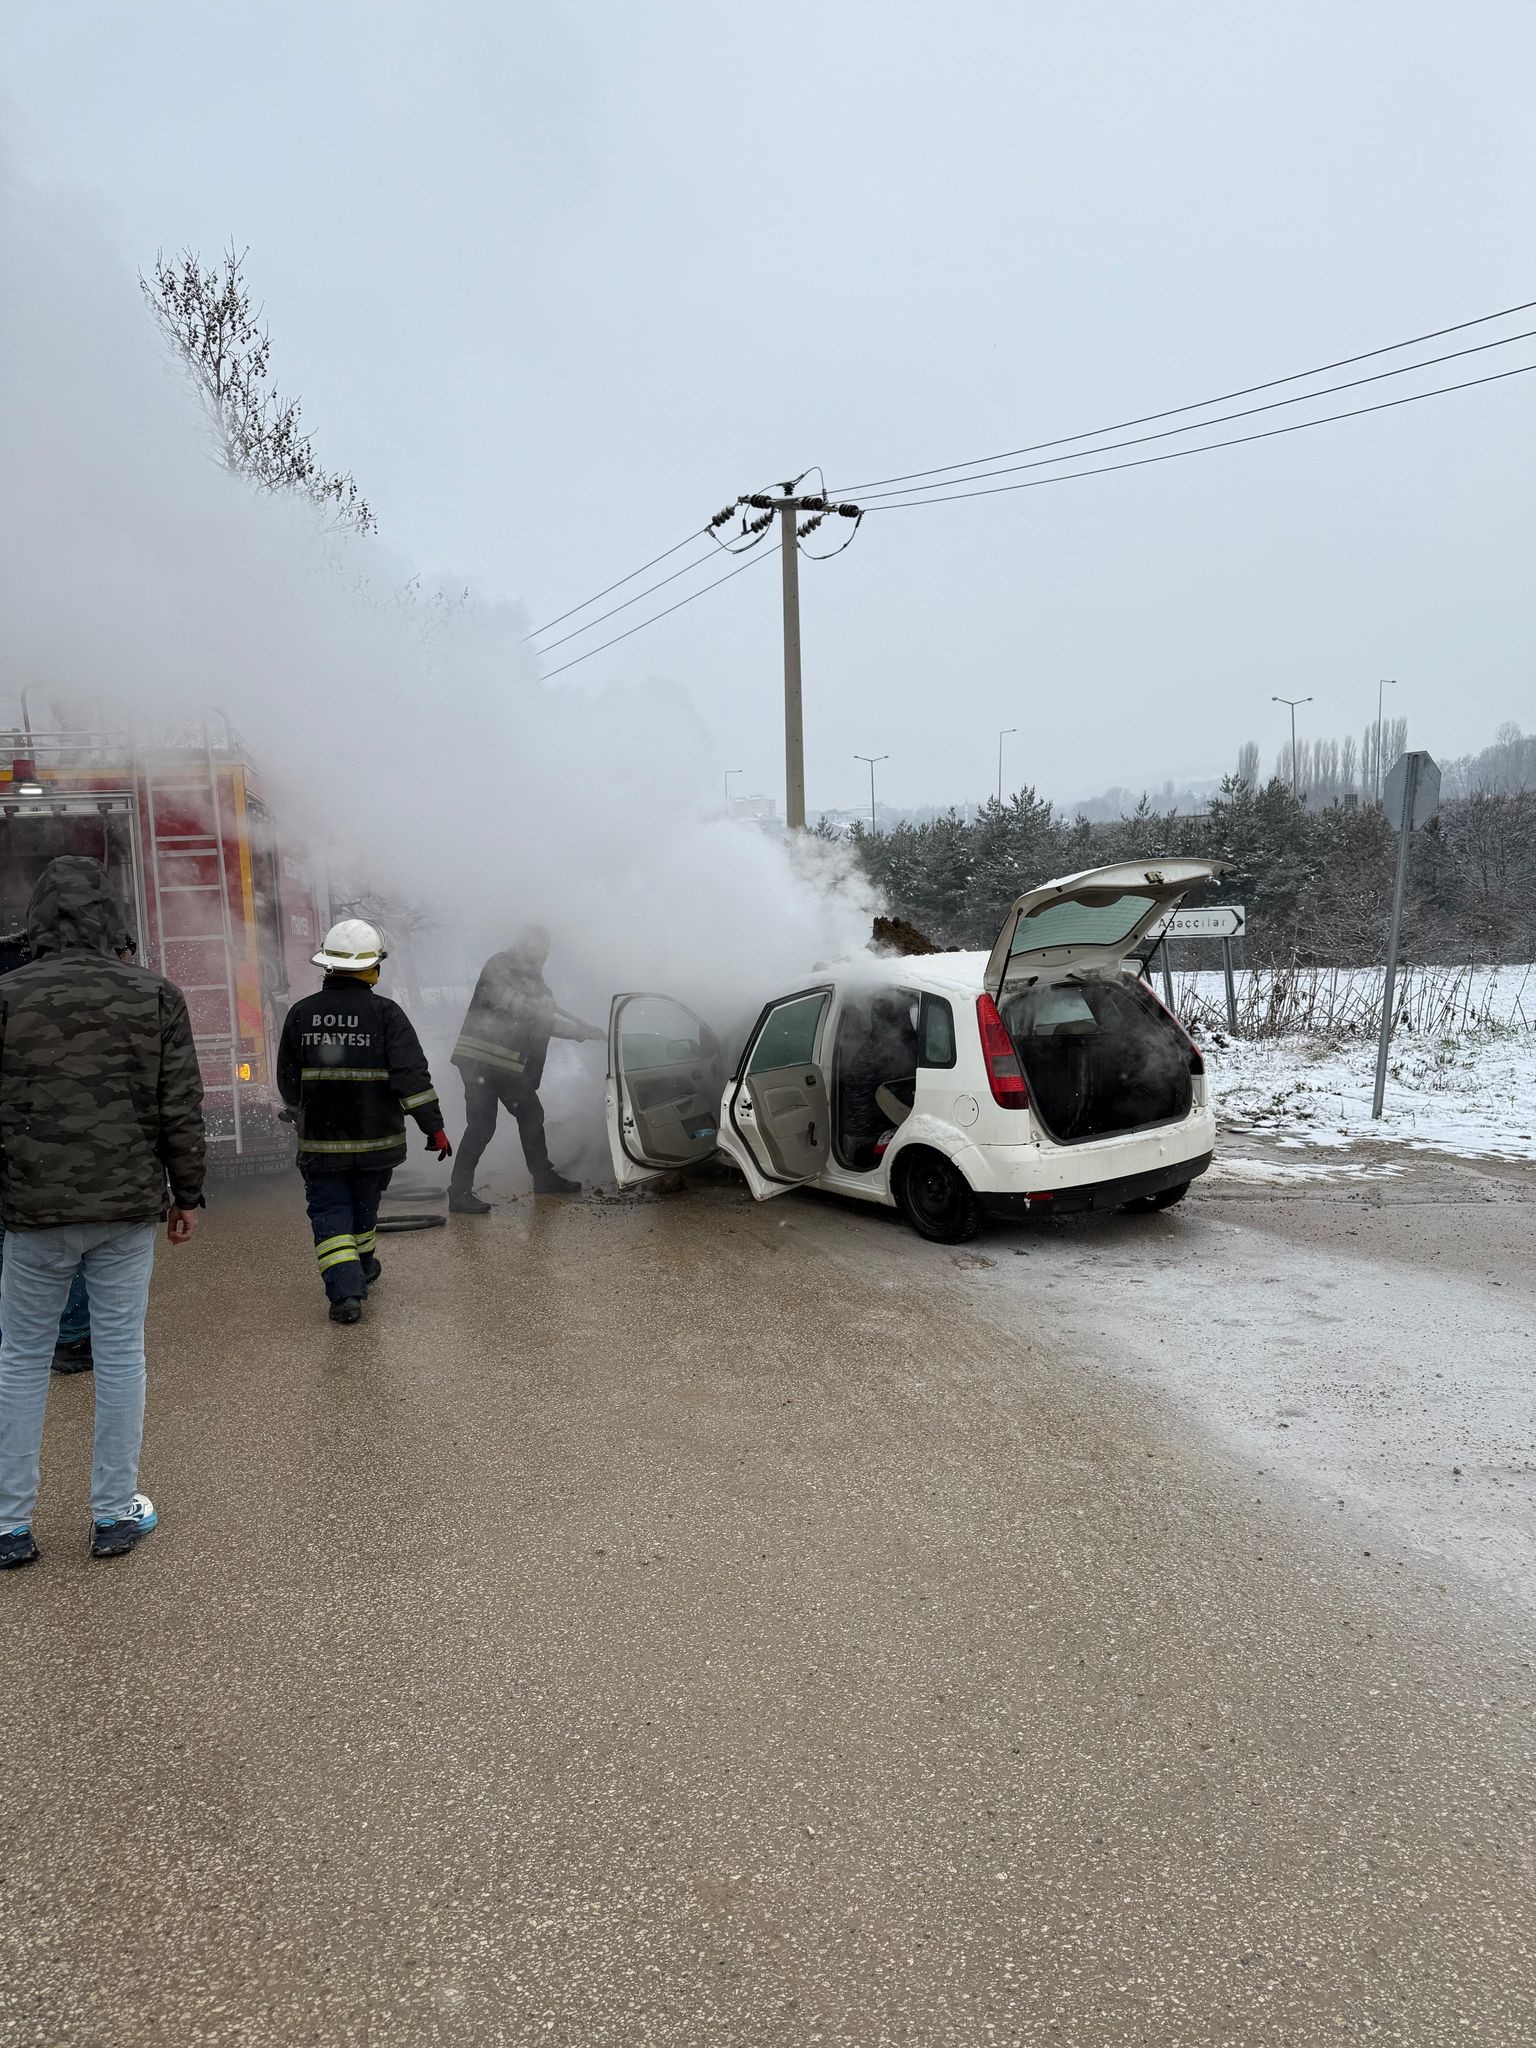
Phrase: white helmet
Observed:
(351, 946)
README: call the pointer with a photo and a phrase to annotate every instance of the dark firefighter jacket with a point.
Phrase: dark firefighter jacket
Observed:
(101, 1100)
(511, 1018)
(351, 1066)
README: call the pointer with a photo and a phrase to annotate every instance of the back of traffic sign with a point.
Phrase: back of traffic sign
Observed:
(1426, 794)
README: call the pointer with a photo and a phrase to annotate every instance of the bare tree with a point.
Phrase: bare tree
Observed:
(1248, 763)
(399, 920)
(206, 314)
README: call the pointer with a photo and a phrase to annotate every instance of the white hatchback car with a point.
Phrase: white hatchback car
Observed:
(952, 1086)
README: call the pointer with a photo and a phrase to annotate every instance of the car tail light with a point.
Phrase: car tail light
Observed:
(1001, 1056)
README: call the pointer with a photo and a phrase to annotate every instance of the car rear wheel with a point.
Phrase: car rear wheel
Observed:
(1163, 1199)
(936, 1199)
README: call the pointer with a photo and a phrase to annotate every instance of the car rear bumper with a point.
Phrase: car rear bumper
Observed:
(1103, 1194)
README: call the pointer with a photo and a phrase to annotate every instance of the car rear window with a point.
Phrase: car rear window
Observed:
(1081, 921)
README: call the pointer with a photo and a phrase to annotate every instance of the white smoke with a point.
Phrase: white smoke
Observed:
(409, 739)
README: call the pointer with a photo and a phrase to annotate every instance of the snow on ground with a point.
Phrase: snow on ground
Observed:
(1462, 1070)
(1474, 1094)
(1279, 1172)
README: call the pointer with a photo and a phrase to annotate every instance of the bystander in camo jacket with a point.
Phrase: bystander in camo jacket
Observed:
(101, 1100)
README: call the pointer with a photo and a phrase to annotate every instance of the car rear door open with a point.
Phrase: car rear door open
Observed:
(775, 1122)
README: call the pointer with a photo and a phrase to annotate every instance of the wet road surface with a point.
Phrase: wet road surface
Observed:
(692, 1622)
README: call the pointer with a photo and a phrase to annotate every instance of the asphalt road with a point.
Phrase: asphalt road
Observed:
(687, 1622)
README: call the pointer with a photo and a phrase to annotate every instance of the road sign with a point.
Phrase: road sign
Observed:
(1426, 796)
(1217, 921)
(1224, 921)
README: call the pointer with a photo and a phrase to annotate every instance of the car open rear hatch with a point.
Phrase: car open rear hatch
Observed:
(1100, 1055)
(1091, 920)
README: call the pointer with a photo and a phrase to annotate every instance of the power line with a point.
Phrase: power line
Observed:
(577, 631)
(1208, 447)
(575, 608)
(756, 560)
(951, 493)
(1220, 419)
(1197, 405)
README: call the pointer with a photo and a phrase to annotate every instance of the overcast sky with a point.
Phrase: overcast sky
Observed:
(556, 282)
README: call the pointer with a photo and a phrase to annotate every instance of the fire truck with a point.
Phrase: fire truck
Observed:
(222, 903)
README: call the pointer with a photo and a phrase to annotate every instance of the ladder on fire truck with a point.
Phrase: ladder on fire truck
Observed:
(183, 865)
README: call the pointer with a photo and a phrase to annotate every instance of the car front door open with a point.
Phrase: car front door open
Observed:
(665, 1075)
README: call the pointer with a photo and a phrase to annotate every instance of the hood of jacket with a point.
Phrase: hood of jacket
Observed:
(73, 910)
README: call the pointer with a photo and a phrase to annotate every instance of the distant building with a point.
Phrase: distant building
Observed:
(760, 809)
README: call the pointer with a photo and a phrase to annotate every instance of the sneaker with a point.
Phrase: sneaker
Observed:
(17, 1547)
(74, 1357)
(348, 1311)
(468, 1205)
(373, 1272)
(113, 1539)
(553, 1183)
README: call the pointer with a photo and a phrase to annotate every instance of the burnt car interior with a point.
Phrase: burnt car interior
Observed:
(874, 1074)
(1100, 1057)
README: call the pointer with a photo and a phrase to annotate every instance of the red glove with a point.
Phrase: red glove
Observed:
(438, 1143)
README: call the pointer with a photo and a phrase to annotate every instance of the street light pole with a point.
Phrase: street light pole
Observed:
(1295, 771)
(1382, 683)
(728, 774)
(1007, 729)
(872, 759)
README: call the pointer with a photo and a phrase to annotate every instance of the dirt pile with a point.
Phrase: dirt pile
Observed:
(893, 935)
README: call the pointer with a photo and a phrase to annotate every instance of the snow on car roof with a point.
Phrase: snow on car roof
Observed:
(942, 973)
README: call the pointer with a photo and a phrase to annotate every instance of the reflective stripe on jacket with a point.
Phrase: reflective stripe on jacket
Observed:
(352, 1067)
(511, 1018)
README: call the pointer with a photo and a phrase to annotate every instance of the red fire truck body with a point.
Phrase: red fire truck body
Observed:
(221, 903)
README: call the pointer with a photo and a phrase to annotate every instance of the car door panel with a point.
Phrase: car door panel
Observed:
(775, 1121)
(665, 1074)
(789, 1115)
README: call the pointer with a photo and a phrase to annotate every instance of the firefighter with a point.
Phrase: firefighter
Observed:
(500, 1057)
(351, 1068)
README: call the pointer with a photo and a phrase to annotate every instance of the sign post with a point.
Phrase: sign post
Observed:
(1411, 797)
(1224, 921)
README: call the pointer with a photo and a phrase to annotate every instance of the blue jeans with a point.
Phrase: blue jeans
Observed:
(344, 1214)
(34, 1285)
(75, 1323)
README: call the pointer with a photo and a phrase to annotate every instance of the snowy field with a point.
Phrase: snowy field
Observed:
(1462, 1072)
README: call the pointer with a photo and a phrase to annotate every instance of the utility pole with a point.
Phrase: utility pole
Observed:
(872, 759)
(1412, 792)
(794, 722)
(1295, 770)
(1382, 683)
(787, 507)
(1000, 738)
